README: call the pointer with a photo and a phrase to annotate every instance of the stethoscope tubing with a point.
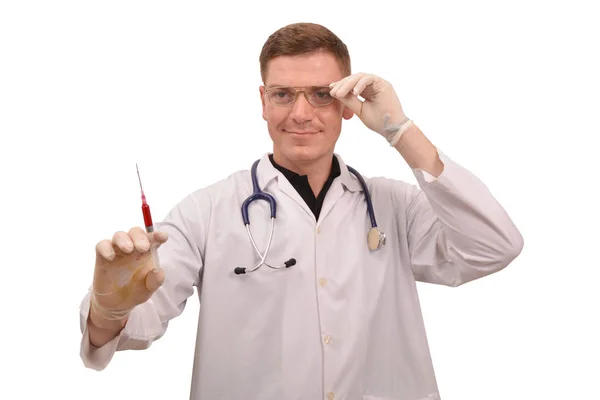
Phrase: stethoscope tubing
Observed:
(258, 194)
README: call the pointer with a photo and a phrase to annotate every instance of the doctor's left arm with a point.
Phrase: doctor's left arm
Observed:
(181, 257)
(457, 231)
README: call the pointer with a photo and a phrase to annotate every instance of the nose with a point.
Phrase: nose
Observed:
(302, 110)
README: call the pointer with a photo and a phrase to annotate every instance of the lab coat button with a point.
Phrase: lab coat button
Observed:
(330, 396)
(322, 281)
(319, 230)
(327, 339)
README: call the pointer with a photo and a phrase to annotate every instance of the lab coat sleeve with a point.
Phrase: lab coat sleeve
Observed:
(182, 258)
(457, 230)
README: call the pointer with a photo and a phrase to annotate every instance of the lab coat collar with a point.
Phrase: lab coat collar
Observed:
(349, 181)
(267, 172)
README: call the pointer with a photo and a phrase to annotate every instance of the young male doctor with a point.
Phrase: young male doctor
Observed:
(344, 321)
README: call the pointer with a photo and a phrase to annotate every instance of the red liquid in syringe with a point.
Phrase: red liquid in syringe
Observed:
(145, 207)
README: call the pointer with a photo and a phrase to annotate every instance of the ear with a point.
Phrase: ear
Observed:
(347, 113)
(261, 89)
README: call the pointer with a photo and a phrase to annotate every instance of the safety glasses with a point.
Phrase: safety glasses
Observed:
(286, 96)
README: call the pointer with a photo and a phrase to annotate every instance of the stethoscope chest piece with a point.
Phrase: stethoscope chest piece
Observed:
(375, 239)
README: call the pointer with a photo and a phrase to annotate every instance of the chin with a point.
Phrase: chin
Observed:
(303, 153)
(302, 148)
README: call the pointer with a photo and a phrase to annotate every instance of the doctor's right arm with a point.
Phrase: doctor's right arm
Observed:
(152, 299)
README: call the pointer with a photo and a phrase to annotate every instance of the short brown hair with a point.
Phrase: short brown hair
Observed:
(302, 38)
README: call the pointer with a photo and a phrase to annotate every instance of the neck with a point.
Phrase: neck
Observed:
(317, 170)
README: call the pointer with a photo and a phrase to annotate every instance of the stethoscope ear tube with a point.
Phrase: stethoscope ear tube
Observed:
(258, 196)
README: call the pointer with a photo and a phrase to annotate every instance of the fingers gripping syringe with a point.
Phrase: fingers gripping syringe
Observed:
(147, 218)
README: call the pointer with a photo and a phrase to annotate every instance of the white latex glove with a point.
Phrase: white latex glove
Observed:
(381, 111)
(126, 274)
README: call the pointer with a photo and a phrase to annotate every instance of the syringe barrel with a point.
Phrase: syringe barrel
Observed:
(147, 216)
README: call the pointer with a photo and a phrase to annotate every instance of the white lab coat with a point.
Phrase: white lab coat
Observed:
(344, 322)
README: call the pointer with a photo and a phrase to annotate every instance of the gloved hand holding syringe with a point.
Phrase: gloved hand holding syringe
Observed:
(127, 273)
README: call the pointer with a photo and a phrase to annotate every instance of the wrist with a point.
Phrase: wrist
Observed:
(394, 128)
(99, 336)
(104, 319)
(419, 152)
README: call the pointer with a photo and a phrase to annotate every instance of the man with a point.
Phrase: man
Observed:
(344, 321)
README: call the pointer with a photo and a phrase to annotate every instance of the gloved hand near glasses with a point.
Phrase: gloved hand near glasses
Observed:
(381, 111)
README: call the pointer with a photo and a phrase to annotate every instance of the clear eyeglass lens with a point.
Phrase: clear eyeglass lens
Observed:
(317, 96)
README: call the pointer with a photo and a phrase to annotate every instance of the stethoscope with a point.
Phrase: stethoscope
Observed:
(375, 238)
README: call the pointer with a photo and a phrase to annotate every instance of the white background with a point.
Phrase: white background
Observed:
(87, 89)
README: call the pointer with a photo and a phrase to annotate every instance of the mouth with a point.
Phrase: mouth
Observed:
(301, 132)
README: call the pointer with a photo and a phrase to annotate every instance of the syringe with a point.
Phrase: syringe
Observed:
(147, 217)
(145, 206)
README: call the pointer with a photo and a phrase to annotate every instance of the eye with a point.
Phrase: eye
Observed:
(323, 94)
(281, 93)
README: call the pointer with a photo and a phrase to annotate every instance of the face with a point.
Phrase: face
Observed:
(302, 133)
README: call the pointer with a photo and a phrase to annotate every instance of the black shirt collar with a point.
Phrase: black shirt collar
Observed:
(300, 183)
